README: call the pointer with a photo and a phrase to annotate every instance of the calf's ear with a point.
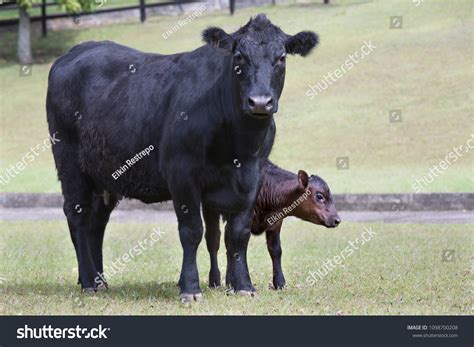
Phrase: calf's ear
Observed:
(303, 179)
(301, 43)
(218, 38)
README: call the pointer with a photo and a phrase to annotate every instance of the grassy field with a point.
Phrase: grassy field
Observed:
(399, 271)
(423, 69)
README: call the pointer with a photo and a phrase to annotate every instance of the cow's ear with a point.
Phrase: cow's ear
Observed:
(301, 43)
(303, 179)
(218, 38)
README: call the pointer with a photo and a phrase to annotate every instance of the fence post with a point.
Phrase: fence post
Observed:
(232, 6)
(44, 28)
(142, 11)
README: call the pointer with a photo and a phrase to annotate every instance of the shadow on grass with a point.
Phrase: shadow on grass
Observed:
(137, 291)
(45, 49)
(167, 291)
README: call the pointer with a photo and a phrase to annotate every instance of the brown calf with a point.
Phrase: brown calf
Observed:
(282, 194)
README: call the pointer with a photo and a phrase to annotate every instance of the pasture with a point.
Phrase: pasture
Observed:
(423, 69)
(401, 270)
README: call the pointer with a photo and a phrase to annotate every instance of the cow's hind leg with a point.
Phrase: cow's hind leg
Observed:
(213, 236)
(101, 210)
(81, 217)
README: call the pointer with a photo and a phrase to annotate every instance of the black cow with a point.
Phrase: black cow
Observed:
(205, 118)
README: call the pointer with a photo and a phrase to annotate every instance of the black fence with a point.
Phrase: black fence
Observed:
(44, 17)
(142, 6)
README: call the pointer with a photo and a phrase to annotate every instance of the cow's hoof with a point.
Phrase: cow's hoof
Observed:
(89, 291)
(94, 290)
(190, 297)
(102, 287)
(246, 293)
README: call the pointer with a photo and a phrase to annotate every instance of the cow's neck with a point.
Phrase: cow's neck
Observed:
(249, 138)
(249, 134)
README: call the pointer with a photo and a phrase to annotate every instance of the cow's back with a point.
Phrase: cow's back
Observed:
(95, 78)
(106, 107)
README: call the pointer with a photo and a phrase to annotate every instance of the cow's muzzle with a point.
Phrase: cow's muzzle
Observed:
(261, 105)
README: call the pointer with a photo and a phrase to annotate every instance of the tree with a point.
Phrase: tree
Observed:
(24, 52)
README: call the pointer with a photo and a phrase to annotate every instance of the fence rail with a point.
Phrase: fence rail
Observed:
(44, 17)
(142, 6)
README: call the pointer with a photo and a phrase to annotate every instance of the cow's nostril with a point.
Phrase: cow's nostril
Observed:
(337, 221)
(260, 104)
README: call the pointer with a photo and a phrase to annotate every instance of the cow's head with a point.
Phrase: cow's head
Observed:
(317, 205)
(259, 51)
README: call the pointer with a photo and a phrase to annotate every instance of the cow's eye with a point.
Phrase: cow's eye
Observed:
(282, 59)
(319, 197)
(238, 58)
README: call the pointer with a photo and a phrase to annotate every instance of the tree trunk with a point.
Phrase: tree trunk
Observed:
(24, 37)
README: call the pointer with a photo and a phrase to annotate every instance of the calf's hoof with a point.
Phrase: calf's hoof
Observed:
(214, 279)
(278, 286)
(214, 283)
(279, 282)
(190, 297)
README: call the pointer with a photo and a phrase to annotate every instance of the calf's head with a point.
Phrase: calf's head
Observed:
(258, 51)
(317, 206)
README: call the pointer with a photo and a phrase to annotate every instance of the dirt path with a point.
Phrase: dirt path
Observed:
(150, 216)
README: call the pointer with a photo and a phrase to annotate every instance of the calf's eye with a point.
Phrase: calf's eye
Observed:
(320, 197)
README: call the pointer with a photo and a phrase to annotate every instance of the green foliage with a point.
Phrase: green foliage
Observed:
(70, 6)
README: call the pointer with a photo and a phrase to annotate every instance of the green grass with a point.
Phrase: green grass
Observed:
(399, 271)
(424, 69)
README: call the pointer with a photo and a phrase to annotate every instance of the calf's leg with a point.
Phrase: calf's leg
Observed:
(213, 236)
(274, 248)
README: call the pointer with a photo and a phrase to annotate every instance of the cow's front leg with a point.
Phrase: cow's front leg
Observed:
(186, 203)
(237, 235)
(274, 248)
